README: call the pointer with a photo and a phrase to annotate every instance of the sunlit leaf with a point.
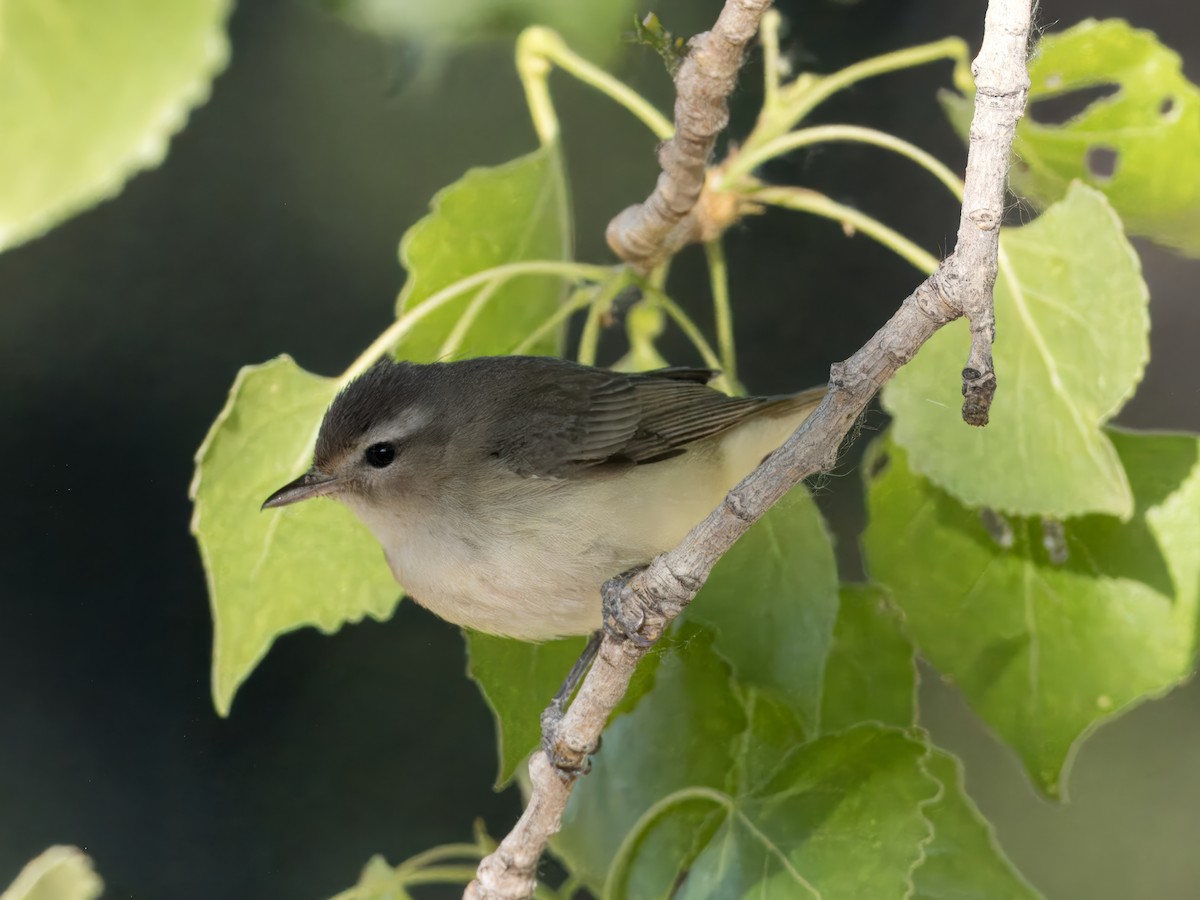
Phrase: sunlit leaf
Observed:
(871, 673)
(90, 93)
(771, 602)
(274, 571)
(711, 777)
(60, 873)
(517, 679)
(1071, 345)
(1135, 141)
(491, 216)
(1046, 650)
(963, 861)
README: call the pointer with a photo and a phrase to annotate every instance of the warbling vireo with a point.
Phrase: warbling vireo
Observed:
(506, 490)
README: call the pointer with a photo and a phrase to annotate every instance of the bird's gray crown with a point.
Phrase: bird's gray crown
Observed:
(381, 394)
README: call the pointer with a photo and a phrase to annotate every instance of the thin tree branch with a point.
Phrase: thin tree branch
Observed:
(639, 608)
(647, 234)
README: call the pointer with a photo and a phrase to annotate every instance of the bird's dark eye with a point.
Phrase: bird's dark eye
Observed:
(380, 455)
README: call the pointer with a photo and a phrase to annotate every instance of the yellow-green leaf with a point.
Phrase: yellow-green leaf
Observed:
(510, 213)
(274, 571)
(90, 93)
(1071, 344)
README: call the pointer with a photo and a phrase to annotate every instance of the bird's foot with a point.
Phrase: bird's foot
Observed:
(624, 612)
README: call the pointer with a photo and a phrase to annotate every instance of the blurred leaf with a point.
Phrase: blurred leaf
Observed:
(771, 602)
(1045, 651)
(274, 571)
(593, 27)
(708, 775)
(510, 213)
(871, 673)
(1149, 129)
(90, 93)
(378, 882)
(517, 679)
(59, 873)
(1071, 345)
(963, 861)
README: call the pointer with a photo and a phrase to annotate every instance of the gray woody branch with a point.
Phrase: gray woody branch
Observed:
(961, 286)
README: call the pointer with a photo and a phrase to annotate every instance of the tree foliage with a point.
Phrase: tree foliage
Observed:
(1049, 565)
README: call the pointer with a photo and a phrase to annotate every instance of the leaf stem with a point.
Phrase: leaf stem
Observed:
(798, 99)
(818, 204)
(718, 276)
(411, 318)
(601, 304)
(539, 47)
(744, 163)
(578, 300)
(686, 325)
(768, 34)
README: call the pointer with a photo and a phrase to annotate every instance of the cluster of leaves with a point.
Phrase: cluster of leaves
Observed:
(1049, 564)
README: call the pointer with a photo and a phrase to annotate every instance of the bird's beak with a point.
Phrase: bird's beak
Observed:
(311, 484)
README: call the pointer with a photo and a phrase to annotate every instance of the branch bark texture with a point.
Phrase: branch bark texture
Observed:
(961, 286)
(649, 233)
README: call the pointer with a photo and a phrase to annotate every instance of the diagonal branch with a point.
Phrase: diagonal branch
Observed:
(961, 286)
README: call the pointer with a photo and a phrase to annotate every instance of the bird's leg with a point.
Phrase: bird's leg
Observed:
(553, 714)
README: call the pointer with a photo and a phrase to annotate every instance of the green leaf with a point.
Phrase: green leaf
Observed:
(1151, 124)
(871, 673)
(771, 602)
(789, 838)
(593, 27)
(1045, 650)
(90, 93)
(517, 679)
(489, 217)
(713, 777)
(59, 873)
(1071, 345)
(963, 861)
(275, 571)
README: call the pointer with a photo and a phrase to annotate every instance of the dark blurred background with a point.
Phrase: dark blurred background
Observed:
(272, 227)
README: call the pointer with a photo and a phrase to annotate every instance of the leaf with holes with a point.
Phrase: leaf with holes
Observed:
(274, 571)
(744, 807)
(1134, 138)
(517, 679)
(1071, 344)
(1047, 644)
(511, 213)
(90, 93)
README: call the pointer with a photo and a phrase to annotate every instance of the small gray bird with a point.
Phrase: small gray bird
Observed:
(506, 490)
